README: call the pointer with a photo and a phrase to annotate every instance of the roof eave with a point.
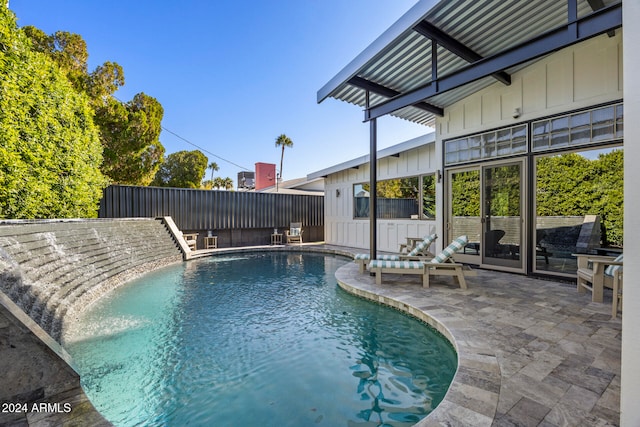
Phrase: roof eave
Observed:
(419, 141)
(398, 29)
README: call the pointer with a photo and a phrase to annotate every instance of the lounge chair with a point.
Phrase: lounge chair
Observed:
(441, 264)
(379, 266)
(595, 272)
(421, 248)
(294, 233)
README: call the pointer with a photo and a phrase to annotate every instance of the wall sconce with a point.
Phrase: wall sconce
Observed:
(516, 113)
(438, 175)
(337, 192)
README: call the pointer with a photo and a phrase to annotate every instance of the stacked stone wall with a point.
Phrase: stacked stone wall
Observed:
(59, 267)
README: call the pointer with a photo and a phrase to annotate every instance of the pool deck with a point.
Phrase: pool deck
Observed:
(532, 352)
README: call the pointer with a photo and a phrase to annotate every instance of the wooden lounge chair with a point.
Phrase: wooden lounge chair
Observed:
(419, 250)
(441, 264)
(595, 272)
(363, 260)
(294, 233)
(378, 267)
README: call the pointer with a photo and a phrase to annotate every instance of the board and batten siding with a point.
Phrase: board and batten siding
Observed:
(573, 78)
(341, 228)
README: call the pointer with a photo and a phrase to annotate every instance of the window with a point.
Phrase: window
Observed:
(598, 125)
(487, 145)
(579, 206)
(399, 198)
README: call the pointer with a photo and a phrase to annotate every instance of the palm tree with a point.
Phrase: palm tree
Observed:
(214, 168)
(283, 141)
(228, 183)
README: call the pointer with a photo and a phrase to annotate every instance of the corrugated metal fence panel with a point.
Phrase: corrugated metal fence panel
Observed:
(211, 210)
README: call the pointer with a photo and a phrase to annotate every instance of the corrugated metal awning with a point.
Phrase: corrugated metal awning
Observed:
(440, 52)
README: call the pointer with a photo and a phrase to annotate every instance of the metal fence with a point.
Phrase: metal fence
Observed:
(213, 210)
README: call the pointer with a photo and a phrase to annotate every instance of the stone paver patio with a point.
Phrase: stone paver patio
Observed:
(532, 352)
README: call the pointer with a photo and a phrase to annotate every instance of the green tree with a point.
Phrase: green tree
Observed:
(132, 151)
(283, 141)
(129, 131)
(571, 184)
(183, 169)
(563, 185)
(68, 50)
(609, 188)
(228, 184)
(223, 183)
(214, 168)
(465, 193)
(50, 150)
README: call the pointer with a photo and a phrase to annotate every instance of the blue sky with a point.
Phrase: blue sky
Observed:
(232, 76)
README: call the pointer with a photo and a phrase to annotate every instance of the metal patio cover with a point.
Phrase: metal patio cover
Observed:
(440, 52)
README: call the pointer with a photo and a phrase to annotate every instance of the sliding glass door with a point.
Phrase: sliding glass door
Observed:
(486, 204)
(502, 216)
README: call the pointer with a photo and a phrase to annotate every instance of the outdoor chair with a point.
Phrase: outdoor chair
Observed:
(541, 250)
(595, 272)
(617, 290)
(419, 251)
(493, 247)
(444, 265)
(441, 264)
(294, 233)
(191, 239)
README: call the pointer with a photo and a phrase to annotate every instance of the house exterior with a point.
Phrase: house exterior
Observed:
(344, 184)
(514, 91)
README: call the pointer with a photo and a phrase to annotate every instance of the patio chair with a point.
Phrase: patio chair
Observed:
(294, 233)
(191, 239)
(419, 251)
(441, 264)
(595, 272)
(616, 271)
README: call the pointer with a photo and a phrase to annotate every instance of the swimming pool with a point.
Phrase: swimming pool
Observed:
(259, 339)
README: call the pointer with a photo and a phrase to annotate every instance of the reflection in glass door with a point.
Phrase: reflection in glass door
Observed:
(464, 212)
(485, 203)
(502, 220)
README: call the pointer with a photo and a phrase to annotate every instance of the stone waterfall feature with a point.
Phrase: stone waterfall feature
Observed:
(52, 269)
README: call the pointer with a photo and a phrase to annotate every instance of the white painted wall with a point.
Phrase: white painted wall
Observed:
(576, 77)
(630, 378)
(340, 226)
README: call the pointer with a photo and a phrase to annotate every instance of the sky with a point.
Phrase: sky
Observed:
(232, 76)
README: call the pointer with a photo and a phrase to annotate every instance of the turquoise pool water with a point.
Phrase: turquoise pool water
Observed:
(256, 340)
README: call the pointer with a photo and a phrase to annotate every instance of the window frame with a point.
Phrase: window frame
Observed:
(420, 198)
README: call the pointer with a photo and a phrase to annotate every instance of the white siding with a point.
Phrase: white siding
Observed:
(340, 226)
(576, 77)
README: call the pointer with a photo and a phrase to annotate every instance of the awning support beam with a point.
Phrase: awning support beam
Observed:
(390, 93)
(597, 23)
(454, 46)
(373, 185)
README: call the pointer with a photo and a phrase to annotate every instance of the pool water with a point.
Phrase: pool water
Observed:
(261, 339)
